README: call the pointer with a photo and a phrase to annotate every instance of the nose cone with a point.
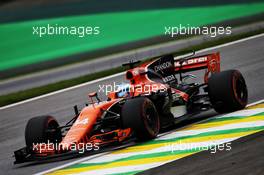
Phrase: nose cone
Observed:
(82, 126)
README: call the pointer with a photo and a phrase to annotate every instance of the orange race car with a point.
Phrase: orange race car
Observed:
(160, 93)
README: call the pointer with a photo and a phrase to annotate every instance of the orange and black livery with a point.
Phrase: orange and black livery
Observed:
(159, 94)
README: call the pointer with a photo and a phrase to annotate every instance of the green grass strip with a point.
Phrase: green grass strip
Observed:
(22, 48)
(34, 92)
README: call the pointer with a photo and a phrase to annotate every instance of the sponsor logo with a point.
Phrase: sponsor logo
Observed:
(191, 61)
(81, 121)
(162, 66)
(169, 78)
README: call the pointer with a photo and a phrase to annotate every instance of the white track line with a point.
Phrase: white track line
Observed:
(254, 103)
(231, 43)
(98, 155)
(118, 74)
(62, 90)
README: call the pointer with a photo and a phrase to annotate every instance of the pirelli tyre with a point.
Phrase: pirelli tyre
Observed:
(227, 91)
(41, 130)
(141, 116)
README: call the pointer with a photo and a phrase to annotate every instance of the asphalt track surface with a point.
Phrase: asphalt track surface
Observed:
(246, 56)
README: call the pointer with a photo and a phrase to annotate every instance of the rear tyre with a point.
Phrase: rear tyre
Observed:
(227, 91)
(41, 130)
(141, 116)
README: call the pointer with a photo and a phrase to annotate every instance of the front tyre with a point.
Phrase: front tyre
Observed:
(227, 91)
(141, 116)
(41, 130)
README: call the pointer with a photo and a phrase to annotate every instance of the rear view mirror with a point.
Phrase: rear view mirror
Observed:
(94, 94)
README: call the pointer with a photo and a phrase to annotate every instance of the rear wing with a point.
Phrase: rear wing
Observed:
(168, 65)
(210, 62)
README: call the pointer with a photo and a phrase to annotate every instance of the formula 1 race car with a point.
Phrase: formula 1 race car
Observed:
(158, 96)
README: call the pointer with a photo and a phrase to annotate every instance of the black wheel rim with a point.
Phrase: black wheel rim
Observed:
(151, 119)
(240, 90)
